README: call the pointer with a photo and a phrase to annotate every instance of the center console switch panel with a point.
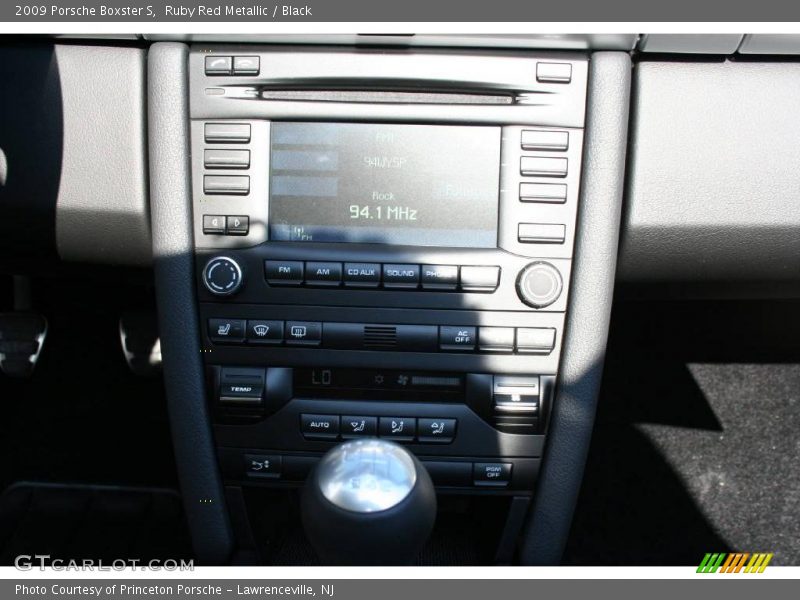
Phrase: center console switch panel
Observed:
(395, 269)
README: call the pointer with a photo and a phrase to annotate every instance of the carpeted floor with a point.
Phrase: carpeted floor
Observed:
(696, 445)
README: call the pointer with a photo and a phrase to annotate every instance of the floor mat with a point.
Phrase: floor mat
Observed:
(695, 450)
(75, 522)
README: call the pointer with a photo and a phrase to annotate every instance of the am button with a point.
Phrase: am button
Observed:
(323, 273)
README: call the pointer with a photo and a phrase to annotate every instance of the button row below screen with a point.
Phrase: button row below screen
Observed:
(396, 338)
(387, 275)
(259, 466)
(399, 429)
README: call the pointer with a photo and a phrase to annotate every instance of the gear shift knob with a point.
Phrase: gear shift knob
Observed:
(368, 502)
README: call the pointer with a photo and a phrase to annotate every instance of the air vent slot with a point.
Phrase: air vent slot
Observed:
(380, 336)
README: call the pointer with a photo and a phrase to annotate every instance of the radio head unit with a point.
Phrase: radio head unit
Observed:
(401, 184)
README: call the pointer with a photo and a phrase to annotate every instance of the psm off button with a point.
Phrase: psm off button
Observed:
(319, 427)
(492, 474)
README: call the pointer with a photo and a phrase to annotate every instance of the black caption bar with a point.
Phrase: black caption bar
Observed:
(631, 11)
(731, 588)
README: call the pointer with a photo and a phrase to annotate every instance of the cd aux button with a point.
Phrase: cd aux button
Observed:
(362, 274)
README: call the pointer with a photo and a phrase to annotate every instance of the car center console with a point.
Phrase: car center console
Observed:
(383, 245)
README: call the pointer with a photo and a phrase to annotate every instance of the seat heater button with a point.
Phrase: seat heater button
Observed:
(227, 331)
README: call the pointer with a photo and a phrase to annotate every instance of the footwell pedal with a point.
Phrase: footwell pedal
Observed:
(22, 336)
(138, 334)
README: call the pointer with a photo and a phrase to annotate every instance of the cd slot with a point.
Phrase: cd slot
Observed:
(383, 97)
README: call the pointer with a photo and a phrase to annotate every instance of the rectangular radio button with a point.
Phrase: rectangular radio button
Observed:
(213, 224)
(227, 133)
(266, 466)
(397, 276)
(542, 166)
(303, 333)
(353, 427)
(246, 65)
(492, 474)
(242, 386)
(362, 274)
(264, 332)
(542, 233)
(436, 431)
(536, 340)
(439, 277)
(399, 429)
(480, 279)
(283, 272)
(218, 65)
(237, 224)
(552, 193)
(553, 72)
(319, 427)
(226, 159)
(226, 331)
(461, 339)
(328, 274)
(496, 339)
(540, 139)
(235, 185)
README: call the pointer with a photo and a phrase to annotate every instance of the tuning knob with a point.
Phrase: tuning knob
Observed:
(222, 276)
(539, 284)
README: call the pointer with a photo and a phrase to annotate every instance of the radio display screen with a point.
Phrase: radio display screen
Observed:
(416, 185)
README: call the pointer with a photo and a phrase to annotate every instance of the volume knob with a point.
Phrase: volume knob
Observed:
(222, 276)
(539, 284)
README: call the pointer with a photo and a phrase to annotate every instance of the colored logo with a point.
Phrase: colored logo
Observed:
(736, 562)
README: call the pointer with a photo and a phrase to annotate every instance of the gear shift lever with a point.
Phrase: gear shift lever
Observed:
(368, 502)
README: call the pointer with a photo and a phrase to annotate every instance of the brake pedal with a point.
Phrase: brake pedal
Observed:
(22, 336)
